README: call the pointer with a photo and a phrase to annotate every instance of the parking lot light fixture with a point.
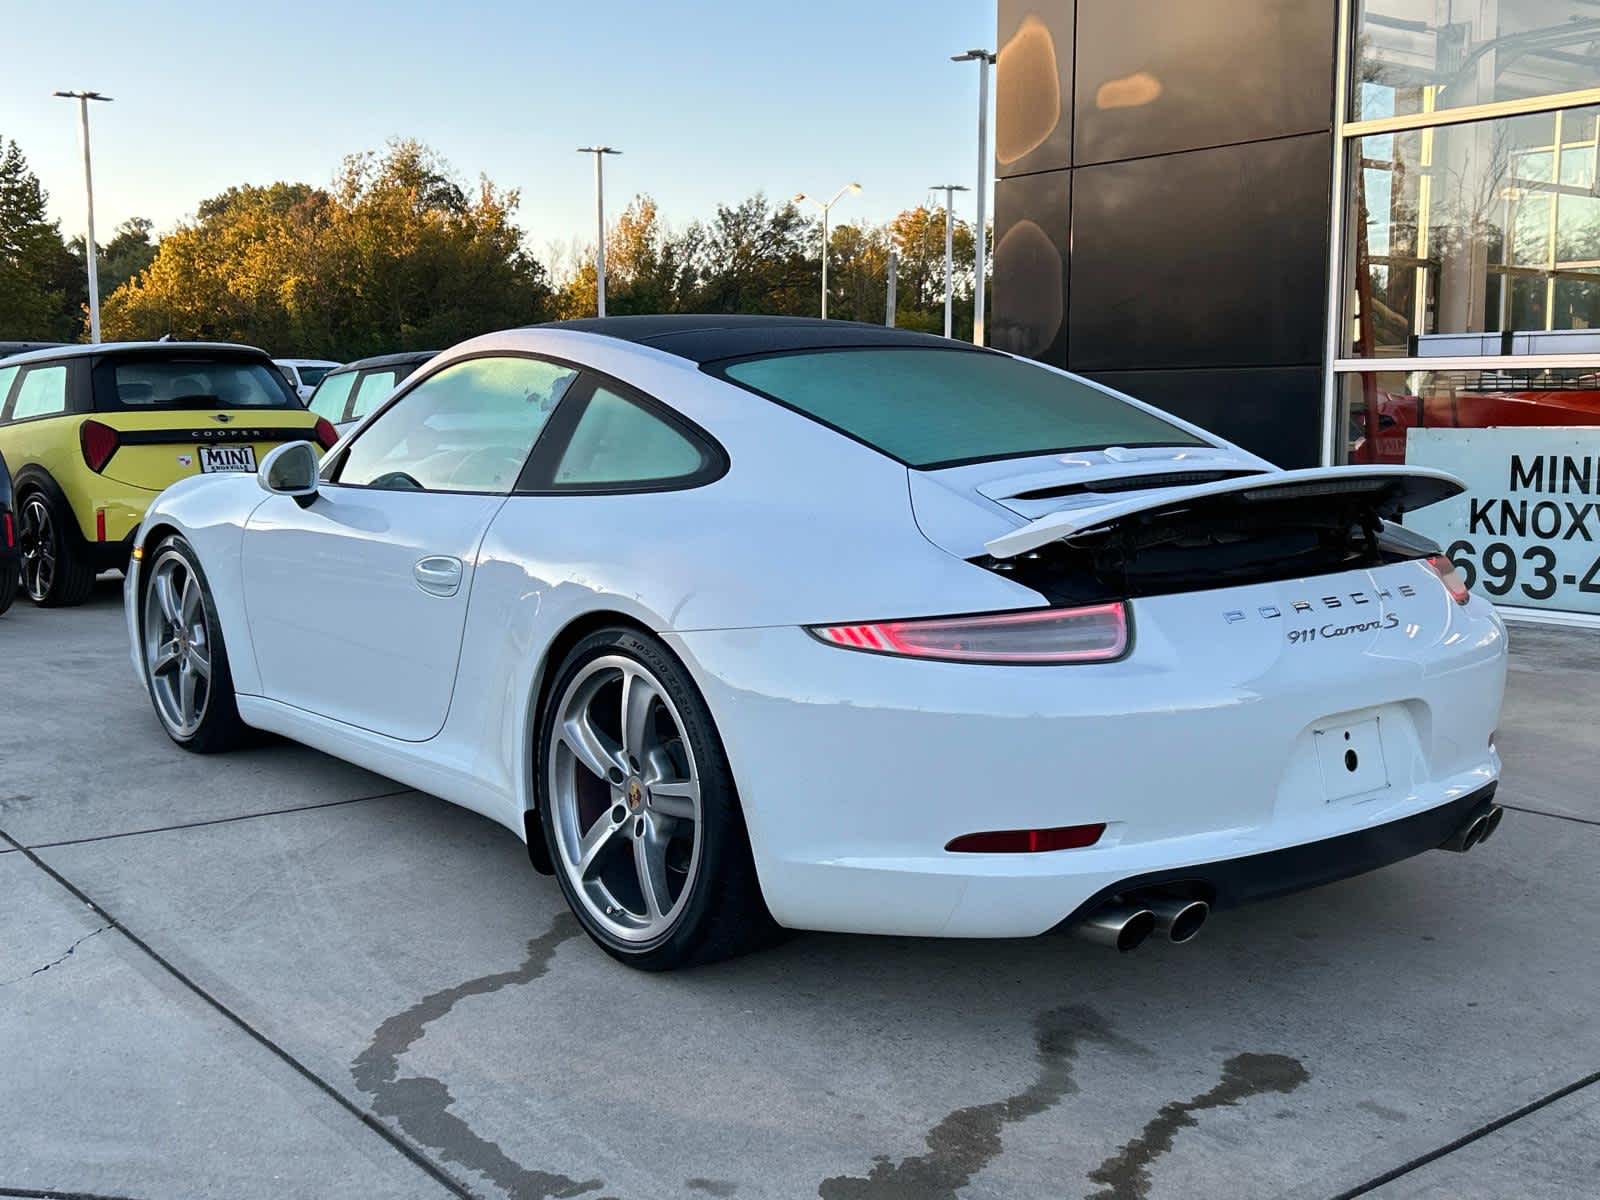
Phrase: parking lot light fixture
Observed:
(985, 59)
(801, 197)
(949, 190)
(83, 99)
(599, 153)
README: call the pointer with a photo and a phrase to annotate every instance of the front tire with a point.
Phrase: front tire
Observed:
(55, 571)
(639, 811)
(185, 659)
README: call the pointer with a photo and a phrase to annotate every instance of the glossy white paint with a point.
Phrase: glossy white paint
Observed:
(854, 770)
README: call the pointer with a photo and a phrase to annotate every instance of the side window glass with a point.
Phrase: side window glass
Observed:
(8, 376)
(375, 386)
(619, 442)
(43, 393)
(328, 400)
(468, 428)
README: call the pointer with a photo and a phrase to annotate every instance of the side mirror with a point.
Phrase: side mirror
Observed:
(290, 470)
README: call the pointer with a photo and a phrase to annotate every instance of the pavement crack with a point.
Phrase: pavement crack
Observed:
(1126, 1174)
(56, 962)
(421, 1104)
(967, 1140)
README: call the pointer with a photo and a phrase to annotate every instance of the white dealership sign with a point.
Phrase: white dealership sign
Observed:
(1527, 531)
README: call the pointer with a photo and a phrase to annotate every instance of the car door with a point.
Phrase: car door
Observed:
(357, 600)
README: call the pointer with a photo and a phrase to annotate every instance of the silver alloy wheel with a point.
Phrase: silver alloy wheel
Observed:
(177, 644)
(624, 792)
(37, 537)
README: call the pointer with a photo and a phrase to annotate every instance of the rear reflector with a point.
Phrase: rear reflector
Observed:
(1446, 571)
(99, 524)
(327, 435)
(99, 443)
(1097, 633)
(1027, 841)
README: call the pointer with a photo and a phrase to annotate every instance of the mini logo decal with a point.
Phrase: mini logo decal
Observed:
(223, 417)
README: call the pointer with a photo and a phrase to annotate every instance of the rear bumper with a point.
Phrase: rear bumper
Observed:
(1232, 882)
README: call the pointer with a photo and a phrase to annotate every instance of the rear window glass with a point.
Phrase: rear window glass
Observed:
(328, 400)
(311, 376)
(930, 408)
(197, 383)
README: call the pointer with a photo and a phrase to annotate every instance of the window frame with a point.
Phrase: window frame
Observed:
(717, 370)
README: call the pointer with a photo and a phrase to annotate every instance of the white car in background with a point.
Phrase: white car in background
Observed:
(752, 623)
(304, 374)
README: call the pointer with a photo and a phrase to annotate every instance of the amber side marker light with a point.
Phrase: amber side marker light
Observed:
(1027, 841)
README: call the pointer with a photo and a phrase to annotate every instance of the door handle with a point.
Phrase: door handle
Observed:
(438, 575)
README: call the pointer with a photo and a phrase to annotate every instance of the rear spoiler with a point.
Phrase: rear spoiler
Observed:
(1390, 490)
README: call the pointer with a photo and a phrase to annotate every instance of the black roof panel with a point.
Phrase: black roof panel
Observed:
(712, 337)
(404, 358)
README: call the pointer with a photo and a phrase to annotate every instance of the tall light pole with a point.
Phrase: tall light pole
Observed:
(599, 153)
(852, 188)
(83, 99)
(949, 190)
(985, 59)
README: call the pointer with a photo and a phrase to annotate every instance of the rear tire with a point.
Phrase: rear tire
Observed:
(638, 801)
(185, 660)
(55, 571)
(10, 581)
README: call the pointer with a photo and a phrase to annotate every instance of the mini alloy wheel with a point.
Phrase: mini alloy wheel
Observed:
(37, 537)
(625, 798)
(177, 644)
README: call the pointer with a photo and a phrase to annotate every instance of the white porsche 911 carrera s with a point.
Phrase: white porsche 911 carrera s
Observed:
(748, 624)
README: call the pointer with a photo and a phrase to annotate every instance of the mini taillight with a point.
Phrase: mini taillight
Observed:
(1027, 841)
(1097, 633)
(327, 435)
(99, 443)
(1447, 573)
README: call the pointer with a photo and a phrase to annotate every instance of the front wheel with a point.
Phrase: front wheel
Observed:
(185, 660)
(639, 810)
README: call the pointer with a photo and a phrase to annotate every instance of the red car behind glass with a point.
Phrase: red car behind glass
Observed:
(1379, 435)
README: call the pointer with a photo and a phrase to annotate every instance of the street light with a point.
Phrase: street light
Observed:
(826, 208)
(599, 153)
(83, 99)
(985, 59)
(949, 190)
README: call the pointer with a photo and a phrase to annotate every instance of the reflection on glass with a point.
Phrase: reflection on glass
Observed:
(1381, 408)
(1416, 56)
(1480, 228)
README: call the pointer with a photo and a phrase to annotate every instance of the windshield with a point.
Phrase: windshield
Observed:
(937, 408)
(196, 383)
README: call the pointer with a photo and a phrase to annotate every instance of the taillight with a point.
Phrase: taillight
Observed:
(99, 443)
(1097, 633)
(1027, 841)
(326, 433)
(10, 530)
(1447, 573)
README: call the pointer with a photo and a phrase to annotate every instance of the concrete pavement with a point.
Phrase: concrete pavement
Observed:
(292, 978)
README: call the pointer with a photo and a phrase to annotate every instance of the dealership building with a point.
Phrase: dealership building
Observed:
(1362, 231)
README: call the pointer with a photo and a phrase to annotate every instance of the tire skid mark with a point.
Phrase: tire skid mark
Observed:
(1126, 1174)
(967, 1140)
(421, 1104)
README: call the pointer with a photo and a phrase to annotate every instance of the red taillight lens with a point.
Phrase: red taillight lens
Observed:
(327, 435)
(99, 443)
(1097, 633)
(1027, 841)
(10, 530)
(1447, 573)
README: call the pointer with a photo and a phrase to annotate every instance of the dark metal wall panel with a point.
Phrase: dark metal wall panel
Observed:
(1032, 226)
(1273, 412)
(1210, 258)
(1033, 91)
(1156, 76)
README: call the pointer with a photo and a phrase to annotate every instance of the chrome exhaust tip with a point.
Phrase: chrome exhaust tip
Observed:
(1120, 926)
(1491, 822)
(1474, 831)
(1178, 919)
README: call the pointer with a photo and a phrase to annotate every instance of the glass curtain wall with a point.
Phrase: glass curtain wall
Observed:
(1465, 322)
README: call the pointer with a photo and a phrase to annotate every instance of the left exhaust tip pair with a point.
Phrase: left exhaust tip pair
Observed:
(1476, 830)
(1127, 926)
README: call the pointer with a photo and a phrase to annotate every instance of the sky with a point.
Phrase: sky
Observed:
(710, 100)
